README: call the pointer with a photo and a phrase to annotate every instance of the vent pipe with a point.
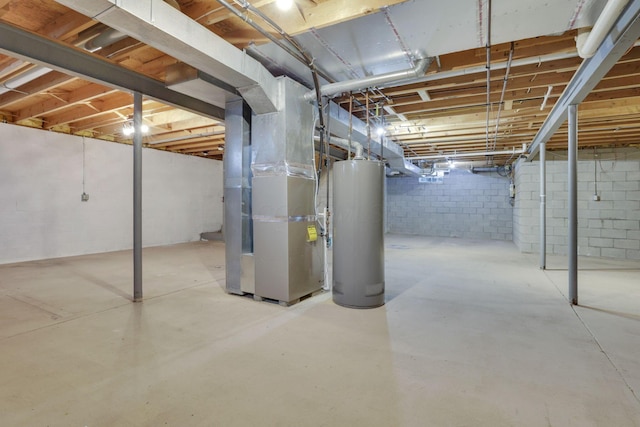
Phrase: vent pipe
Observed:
(588, 41)
(367, 82)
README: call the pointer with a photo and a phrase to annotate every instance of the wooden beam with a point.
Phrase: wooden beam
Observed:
(66, 100)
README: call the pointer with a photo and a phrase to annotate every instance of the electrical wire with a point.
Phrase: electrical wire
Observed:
(83, 165)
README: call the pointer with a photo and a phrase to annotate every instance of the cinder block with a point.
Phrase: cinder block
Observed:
(633, 176)
(626, 185)
(627, 205)
(559, 249)
(626, 224)
(613, 253)
(627, 166)
(633, 234)
(632, 254)
(626, 244)
(555, 239)
(632, 195)
(613, 233)
(600, 242)
(605, 186)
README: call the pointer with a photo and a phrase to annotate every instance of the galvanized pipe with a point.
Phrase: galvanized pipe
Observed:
(470, 154)
(137, 197)
(543, 206)
(573, 204)
(504, 89)
(367, 82)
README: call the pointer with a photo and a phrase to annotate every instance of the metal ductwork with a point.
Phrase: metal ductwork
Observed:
(160, 25)
(392, 152)
(186, 79)
(372, 81)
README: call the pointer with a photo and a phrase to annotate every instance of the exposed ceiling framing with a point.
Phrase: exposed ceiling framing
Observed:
(443, 114)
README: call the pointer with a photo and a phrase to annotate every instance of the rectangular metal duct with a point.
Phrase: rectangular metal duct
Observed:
(186, 79)
(157, 24)
(339, 123)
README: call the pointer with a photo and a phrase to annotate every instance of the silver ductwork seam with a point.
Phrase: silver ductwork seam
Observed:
(160, 25)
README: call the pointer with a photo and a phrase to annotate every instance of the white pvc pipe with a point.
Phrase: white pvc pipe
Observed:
(588, 42)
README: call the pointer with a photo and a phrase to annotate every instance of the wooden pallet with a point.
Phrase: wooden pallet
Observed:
(287, 303)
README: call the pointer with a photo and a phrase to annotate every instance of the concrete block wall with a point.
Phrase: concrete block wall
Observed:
(467, 205)
(41, 182)
(606, 228)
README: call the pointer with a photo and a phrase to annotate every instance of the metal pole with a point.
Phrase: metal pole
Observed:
(543, 206)
(137, 197)
(350, 124)
(573, 205)
(368, 126)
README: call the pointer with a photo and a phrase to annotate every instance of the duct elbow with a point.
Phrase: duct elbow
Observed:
(421, 67)
(581, 39)
(588, 41)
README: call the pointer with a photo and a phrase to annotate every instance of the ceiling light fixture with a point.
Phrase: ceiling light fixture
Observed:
(127, 129)
(284, 4)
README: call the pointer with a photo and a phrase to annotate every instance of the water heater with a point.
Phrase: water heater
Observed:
(358, 233)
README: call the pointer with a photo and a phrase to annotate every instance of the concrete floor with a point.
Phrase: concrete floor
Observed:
(472, 334)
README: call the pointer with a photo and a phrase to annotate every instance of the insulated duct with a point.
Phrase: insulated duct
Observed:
(106, 38)
(588, 41)
(24, 78)
(160, 25)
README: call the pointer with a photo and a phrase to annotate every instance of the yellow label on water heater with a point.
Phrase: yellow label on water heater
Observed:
(312, 234)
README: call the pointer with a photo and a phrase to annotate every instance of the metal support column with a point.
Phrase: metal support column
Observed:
(573, 204)
(137, 197)
(543, 205)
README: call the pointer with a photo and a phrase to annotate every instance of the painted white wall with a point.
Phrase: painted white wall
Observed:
(41, 183)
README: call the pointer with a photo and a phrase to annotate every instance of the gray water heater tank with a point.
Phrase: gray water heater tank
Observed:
(358, 233)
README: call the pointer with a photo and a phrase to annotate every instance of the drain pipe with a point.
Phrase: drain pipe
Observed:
(589, 41)
(358, 84)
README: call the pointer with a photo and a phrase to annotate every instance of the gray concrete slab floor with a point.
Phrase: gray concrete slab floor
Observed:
(472, 334)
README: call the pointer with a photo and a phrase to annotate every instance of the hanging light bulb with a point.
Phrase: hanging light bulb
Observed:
(127, 129)
(380, 130)
(284, 4)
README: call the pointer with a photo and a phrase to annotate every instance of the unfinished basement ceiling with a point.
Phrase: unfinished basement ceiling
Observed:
(442, 115)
